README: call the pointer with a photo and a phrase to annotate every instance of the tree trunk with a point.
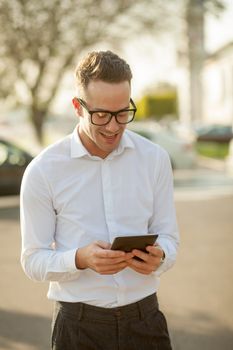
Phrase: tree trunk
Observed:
(38, 117)
(196, 56)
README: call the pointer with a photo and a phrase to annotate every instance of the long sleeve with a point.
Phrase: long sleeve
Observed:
(40, 259)
(70, 198)
(163, 221)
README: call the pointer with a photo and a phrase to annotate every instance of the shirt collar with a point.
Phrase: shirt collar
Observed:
(78, 150)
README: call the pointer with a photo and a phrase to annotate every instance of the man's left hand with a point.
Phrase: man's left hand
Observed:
(149, 262)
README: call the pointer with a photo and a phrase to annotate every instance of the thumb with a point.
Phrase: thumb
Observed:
(103, 244)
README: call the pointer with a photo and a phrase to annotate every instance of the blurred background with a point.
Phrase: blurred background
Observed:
(181, 55)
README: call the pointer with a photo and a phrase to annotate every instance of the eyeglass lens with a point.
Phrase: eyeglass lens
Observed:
(101, 118)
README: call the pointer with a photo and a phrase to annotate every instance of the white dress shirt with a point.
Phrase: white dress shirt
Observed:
(70, 199)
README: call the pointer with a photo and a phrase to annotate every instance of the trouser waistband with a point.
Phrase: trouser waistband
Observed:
(84, 311)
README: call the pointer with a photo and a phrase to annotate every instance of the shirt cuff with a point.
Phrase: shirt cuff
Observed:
(163, 266)
(69, 260)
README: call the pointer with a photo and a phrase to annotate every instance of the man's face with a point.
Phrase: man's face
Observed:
(99, 95)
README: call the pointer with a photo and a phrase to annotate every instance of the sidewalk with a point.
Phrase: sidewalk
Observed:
(197, 293)
(209, 178)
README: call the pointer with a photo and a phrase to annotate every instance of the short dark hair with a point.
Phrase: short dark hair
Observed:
(102, 65)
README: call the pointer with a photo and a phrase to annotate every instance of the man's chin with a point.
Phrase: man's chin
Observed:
(108, 148)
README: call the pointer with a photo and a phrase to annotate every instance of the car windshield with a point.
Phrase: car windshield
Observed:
(11, 155)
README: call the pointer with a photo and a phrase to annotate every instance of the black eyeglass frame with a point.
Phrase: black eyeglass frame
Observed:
(113, 114)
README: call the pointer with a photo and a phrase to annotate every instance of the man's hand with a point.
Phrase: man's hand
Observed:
(149, 261)
(99, 257)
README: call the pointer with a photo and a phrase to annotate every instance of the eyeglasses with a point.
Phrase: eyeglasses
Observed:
(101, 117)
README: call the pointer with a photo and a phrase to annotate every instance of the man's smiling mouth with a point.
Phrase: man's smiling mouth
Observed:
(109, 137)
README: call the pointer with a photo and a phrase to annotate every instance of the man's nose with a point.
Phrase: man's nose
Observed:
(112, 125)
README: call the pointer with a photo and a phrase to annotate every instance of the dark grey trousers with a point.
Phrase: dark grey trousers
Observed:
(137, 326)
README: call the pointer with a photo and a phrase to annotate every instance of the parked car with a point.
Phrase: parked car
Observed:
(180, 149)
(13, 162)
(215, 133)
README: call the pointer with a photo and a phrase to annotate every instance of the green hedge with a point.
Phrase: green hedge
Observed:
(213, 149)
(157, 105)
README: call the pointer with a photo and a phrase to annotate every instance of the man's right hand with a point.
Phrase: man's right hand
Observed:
(99, 257)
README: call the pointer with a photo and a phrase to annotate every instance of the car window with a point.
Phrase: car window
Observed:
(3, 153)
(11, 155)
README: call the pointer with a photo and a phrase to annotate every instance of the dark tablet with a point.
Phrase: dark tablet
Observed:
(128, 243)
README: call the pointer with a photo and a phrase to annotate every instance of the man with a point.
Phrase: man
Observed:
(100, 182)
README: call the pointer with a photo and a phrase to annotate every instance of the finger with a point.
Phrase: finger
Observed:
(122, 258)
(139, 267)
(156, 251)
(138, 264)
(110, 261)
(147, 264)
(140, 254)
(111, 269)
(128, 256)
(101, 250)
(103, 244)
(110, 254)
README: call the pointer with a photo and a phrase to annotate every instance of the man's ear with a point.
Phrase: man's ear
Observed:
(77, 106)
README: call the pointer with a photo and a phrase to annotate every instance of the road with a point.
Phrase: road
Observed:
(196, 295)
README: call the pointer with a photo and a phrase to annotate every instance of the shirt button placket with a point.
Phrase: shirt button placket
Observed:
(108, 197)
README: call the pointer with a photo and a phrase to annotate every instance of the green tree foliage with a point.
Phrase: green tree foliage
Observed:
(41, 40)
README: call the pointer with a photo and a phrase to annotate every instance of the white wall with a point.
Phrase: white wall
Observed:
(218, 88)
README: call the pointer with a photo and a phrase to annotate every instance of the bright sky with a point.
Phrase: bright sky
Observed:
(150, 62)
(219, 31)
